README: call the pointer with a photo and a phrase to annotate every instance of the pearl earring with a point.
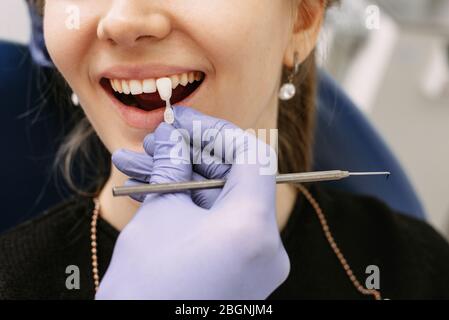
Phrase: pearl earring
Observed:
(75, 99)
(288, 90)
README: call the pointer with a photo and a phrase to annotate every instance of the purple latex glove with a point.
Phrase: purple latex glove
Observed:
(174, 249)
(139, 166)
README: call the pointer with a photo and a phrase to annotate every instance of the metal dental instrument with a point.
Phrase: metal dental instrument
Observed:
(218, 183)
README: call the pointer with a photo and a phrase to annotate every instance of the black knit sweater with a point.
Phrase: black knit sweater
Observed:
(412, 258)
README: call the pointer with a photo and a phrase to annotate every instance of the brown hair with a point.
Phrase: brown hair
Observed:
(82, 147)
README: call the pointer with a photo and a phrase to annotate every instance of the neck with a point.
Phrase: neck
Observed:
(118, 211)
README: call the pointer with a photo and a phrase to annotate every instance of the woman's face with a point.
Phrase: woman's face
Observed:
(238, 48)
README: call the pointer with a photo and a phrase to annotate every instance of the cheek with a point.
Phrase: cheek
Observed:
(70, 51)
(246, 50)
(68, 46)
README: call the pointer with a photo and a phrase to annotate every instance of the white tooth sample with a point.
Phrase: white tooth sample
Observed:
(118, 85)
(112, 84)
(191, 77)
(184, 79)
(136, 87)
(174, 81)
(125, 87)
(164, 87)
(149, 86)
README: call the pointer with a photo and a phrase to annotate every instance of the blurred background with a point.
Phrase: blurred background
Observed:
(392, 58)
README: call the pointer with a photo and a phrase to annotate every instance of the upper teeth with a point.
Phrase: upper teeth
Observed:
(136, 87)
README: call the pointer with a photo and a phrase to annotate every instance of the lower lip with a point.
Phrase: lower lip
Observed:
(141, 119)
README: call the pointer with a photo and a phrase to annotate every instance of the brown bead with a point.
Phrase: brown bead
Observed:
(93, 237)
(330, 239)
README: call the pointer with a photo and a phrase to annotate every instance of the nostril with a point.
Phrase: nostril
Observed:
(126, 29)
(101, 32)
(143, 37)
(115, 31)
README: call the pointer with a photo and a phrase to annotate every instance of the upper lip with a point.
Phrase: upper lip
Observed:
(140, 72)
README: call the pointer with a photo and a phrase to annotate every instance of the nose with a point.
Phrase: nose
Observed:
(127, 23)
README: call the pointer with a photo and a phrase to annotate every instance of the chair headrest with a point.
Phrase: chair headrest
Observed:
(37, 45)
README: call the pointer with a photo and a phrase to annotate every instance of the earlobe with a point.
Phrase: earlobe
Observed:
(309, 17)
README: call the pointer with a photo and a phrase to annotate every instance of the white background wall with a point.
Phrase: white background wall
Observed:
(14, 24)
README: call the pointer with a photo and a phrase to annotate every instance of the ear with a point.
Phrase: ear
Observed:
(307, 22)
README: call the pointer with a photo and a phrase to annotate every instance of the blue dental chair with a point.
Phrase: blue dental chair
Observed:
(345, 139)
(31, 132)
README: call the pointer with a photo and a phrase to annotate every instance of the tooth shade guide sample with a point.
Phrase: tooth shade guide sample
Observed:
(164, 87)
(169, 116)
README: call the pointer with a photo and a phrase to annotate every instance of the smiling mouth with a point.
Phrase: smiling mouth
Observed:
(143, 94)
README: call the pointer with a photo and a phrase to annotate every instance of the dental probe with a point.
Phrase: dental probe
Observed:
(165, 89)
(218, 183)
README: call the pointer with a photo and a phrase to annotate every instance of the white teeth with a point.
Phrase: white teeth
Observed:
(149, 86)
(184, 79)
(191, 77)
(174, 81)
(113, 85)
(118, 86)
(136, 87)
(125, 87)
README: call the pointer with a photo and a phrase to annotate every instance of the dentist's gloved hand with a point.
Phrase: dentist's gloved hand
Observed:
(138, 166)
(175, 249)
